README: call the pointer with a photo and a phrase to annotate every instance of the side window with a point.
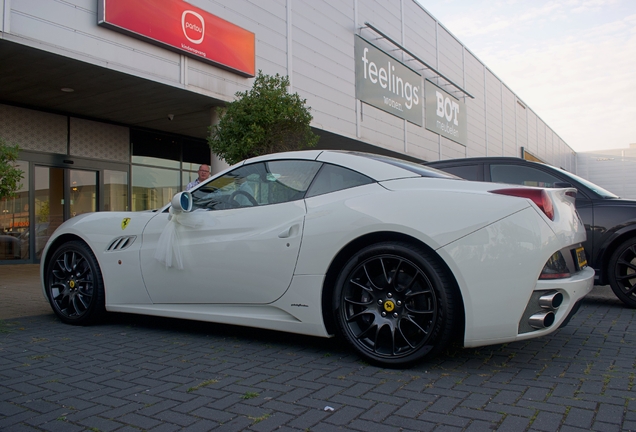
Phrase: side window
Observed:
(257, 184)
(468, 172)
(522, 175)
(332, 178)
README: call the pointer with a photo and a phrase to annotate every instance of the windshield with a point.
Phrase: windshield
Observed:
(593, 187)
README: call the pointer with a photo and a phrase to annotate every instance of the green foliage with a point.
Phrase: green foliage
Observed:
(263, 120)
(9, 175)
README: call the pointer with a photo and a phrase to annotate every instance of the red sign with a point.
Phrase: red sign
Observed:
(178, 25)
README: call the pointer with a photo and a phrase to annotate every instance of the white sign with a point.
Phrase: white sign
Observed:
(387, 84)
(445, 114)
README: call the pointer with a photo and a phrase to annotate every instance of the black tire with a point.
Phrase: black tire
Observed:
(74, 284)
(622, 272)
(395, 321)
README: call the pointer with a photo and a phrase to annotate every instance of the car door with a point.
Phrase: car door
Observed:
(239, 245)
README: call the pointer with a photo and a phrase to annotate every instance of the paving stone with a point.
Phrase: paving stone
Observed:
(444, 419)
(546, 421)
(101, 424)
(610, 414)
(344, 415)
(513, 423)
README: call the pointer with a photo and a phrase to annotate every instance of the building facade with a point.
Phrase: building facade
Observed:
(612, 169)
(112, 114)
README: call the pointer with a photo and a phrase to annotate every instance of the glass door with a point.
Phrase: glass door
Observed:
(60, 193)
(83, 192)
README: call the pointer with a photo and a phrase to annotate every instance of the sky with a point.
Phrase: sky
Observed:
(573, 62)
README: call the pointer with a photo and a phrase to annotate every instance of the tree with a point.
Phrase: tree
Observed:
(10, 176)
(265, 119)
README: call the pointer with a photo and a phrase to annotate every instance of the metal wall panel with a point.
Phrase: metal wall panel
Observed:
(56, 24)
(494, 124)
(380, 128)
(322, 67)
(509, 127)
(450, 56)
(419, 33)
(3, 5)
(521, 125)
(475, 107)
(541, 137)
(531, 144)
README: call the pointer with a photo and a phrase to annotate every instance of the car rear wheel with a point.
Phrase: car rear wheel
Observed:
(622, 272)
(74, 284)
(395, 304)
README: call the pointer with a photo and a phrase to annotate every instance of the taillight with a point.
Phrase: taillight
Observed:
(555, 268)
(539, 196)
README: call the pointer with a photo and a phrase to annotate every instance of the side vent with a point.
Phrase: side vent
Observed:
(121, 243)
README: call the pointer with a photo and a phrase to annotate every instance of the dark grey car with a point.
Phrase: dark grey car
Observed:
(609, 220)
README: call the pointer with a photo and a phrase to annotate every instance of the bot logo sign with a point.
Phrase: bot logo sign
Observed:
(445, 114)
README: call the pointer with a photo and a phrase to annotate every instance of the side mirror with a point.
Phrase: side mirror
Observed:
(182, 202)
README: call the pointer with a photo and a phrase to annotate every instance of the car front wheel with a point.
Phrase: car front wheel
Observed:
(622, 272)
(74, 284)
(395, 304)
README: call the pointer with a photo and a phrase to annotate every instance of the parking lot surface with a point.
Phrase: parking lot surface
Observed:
(134, 373)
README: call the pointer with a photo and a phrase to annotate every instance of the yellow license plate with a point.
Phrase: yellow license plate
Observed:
(580, 256)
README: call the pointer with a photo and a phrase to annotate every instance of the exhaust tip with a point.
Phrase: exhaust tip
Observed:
(542, 320)
(551, 300)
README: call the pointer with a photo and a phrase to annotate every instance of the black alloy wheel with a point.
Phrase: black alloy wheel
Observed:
(74, 284)
(622, 272)
(394, 304)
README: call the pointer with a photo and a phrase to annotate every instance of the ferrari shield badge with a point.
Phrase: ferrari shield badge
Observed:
(124, 223)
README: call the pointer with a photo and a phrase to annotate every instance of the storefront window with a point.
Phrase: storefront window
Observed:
(115, 190)
(14, 220)
(153, 187)
(187, 177)
(155, 149)
(162, 166)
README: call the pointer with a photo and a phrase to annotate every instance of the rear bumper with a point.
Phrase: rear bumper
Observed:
(573, 290)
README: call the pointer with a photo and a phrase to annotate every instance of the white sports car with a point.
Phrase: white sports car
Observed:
(397, 258)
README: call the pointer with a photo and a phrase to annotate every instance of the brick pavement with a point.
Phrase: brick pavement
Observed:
(134, 373)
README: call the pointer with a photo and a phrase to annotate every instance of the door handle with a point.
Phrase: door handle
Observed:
(291, 231)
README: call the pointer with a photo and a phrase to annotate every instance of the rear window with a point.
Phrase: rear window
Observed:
(413, 167)
(468, 172)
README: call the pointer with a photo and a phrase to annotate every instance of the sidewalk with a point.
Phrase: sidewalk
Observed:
(21, 293)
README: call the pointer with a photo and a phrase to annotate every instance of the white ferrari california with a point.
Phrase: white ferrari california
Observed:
(397, 258)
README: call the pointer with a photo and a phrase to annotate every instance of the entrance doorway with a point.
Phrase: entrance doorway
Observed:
(60, 194)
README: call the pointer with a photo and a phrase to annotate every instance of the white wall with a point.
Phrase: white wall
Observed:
(614, 170)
